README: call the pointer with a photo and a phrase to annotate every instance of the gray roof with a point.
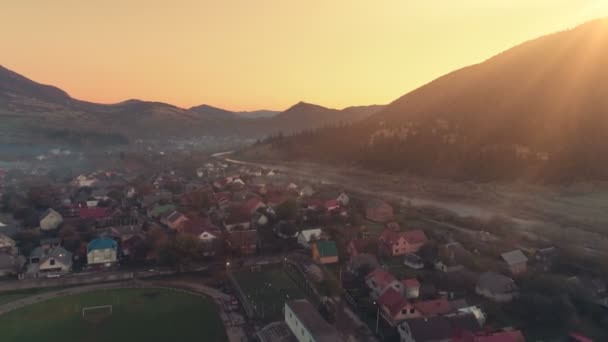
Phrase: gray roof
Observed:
(514, 257)
(58, 253)
(496, 283)
(313, 322)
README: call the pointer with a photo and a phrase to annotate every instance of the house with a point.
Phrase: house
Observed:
(307, 325)
(175, 220)
(378, 211)
(237, 217)
(6, 243)
(413, 261)
(310, 235)
(380, 280)
(325, 252)
(243, 242)
(50, 220)
(434, 307)
(496, 287)
(516, 261)
(395, 308)
(253, 204)
(102, 251)
(394, 243)
(307, 191)
(437, 328)
(343, 199)
(203, 229)
(411, 288)
(55, 260)
(358, 246)
(11, 262)
(92, 213)
(497, 336)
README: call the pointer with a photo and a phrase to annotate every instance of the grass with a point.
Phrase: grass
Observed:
(11, 296)
(268, 289)
(138, 315)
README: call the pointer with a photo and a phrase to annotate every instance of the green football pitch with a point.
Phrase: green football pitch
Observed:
(136, 315)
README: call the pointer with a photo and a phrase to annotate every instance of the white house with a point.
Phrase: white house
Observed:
(307, 236)
(102, 251)
(343, 199)
(50, 220)
(55, 260)
(307, 325)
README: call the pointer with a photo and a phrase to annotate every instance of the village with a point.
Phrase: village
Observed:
(303, 259)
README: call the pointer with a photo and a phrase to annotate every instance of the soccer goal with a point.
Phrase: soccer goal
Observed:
(96, 313)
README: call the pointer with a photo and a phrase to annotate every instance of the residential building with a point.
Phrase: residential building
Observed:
(516, 261)
(381, 280)
(50, 220)
(378, 211)
(102, 252)
(325, 252)
(497, 287)
(394, 243)
(54, 260)
(437, 328)
(306, 237)
(306, 323)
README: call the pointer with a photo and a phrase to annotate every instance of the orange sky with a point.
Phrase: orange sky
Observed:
(253, 54)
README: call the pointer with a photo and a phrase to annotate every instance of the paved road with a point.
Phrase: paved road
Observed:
(233, 321)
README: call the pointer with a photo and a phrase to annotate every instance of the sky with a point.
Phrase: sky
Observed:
(266, 54)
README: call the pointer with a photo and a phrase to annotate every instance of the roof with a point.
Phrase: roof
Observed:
(410, 283)
(160, 209)
(101, 243)
(393, 300)
(441, 327)
(313, 322)
(49, 212)
(311, 232)
(327, 248)
(411, 236)
(415, 236)
(375, 203)
(198, 227)
(501, 336)
(237, 214)
(434, 307)
(381, 277)
(496, 283)
(514, 257)
(6, 241)
(59, 253)
(92, 213)
(176, 215)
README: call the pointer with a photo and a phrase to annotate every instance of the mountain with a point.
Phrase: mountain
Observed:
(33, 112)
(257, 114)
(303, 116)
(537, 111)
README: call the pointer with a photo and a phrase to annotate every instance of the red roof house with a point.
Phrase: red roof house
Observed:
(395, 243)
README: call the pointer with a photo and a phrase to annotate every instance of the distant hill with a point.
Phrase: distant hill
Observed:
(31, 111)
(537, 111)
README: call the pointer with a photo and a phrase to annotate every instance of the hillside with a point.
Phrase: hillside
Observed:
(536, 111)
(33, 112)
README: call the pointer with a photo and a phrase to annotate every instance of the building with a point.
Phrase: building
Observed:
(411, 288)
(379, 281)
(437, 328)
(102, 251)
(325, 252)
(306, 323)
(175, 220)
(55, 260)
(307, 236)
(394, 243)
(378, 211)
(496, 287)
(50, 220)
(516, 261)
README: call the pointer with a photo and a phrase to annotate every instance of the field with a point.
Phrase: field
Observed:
(137, 315)
(268, 289)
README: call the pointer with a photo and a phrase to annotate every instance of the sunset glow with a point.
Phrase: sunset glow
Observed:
(245, 54)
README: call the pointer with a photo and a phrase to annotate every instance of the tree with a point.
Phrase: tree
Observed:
(182, 251)
(43, 196)
(287, 210)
